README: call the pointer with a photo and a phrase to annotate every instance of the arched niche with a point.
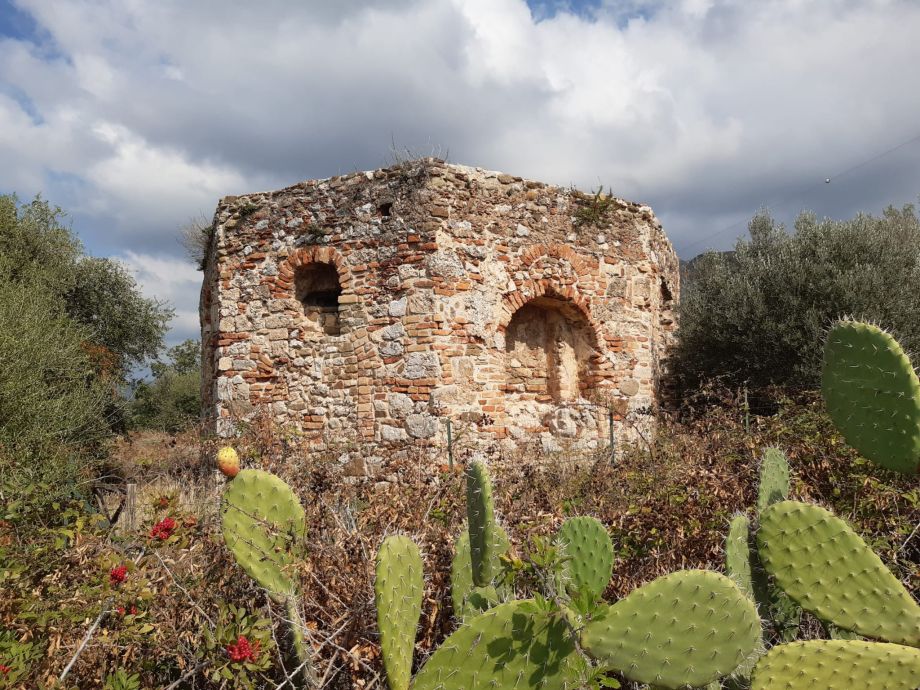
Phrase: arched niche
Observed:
(548, 349)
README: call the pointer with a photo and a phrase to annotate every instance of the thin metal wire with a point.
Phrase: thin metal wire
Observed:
(804, 191)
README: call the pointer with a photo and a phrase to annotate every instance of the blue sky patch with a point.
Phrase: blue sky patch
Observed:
(17, 24)
(547, 9)
(22, 98)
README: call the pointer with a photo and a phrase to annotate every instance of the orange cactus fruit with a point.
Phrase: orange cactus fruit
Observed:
(228, 461)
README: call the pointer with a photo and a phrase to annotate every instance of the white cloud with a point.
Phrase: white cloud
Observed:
(158, 184)
(171, 279)
(149, 112)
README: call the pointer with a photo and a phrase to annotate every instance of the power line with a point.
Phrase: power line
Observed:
(806, 190)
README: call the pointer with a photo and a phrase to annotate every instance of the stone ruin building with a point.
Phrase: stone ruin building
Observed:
(367, 309)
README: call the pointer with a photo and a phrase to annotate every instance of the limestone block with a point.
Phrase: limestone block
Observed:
(563, 422)
(422, 365)
(393, 332)
(397, 307)
(446, 264)
(421, 303)
(629, 387)
(391, 349)
(421, 425)
(392, 434)
(445, 397)
(548, 443)
(401, 405)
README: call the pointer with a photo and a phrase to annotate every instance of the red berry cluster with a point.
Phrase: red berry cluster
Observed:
(122, 611)
(118, 574)
(242, 650)
(5, 669)
(163, 529)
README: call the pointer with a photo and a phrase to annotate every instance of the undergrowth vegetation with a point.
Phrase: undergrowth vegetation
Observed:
(172, 607)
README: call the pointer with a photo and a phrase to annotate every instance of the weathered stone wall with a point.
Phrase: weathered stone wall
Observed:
(365, 309)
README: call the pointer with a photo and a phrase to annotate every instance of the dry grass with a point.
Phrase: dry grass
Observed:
(666, 510)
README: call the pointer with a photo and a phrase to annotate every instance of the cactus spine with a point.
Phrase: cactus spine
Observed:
(774, 479)
(589, 552)
(482, 526)
(687, 628)
(833, 664)
(264, 526)
(873, 394)
(519, 644)
(468, 599)
(398, 589)
(829, 570)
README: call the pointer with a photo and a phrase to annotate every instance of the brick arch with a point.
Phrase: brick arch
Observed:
(321, 255)
(526, 291)
(368, 357)
(583, 267)
(529, 290)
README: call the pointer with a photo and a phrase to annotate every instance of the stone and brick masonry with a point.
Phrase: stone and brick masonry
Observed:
(367, 309)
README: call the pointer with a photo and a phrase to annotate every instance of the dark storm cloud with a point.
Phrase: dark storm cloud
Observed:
(137, 117)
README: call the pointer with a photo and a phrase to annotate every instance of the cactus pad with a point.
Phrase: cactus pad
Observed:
(586, 543)
(264, 525)
(398, 589)
(826, 567)
(774, 479)
(738, 554)
(482, 526)
(461, 574)
(688, 628)
(873, 394)
(834, 664)
(515, 645)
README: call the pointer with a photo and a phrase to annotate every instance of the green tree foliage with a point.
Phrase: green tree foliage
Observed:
(71, 328)
(172, 400)
(759, 314)
(36, 247)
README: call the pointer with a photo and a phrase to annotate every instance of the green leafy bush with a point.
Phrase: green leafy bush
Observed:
(71, 329)
(759, 314)
(171, 401)
(52, 403)
(37, 248)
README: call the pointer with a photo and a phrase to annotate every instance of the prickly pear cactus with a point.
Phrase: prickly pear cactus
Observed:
(482, 526)
(782, 615)
(829, 570)
(688, 628)
(521, 644)
(873, 394)
(586, 543)
(467, 599)
(398, 589)
(264, 525)
(774, 479)
(738, 554)
(837, 664)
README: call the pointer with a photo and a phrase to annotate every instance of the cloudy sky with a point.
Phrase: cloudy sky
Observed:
(137, 115)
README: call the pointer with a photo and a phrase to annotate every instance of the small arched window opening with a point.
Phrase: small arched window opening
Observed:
(548, 348)
(666, 294)
(317, 288)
